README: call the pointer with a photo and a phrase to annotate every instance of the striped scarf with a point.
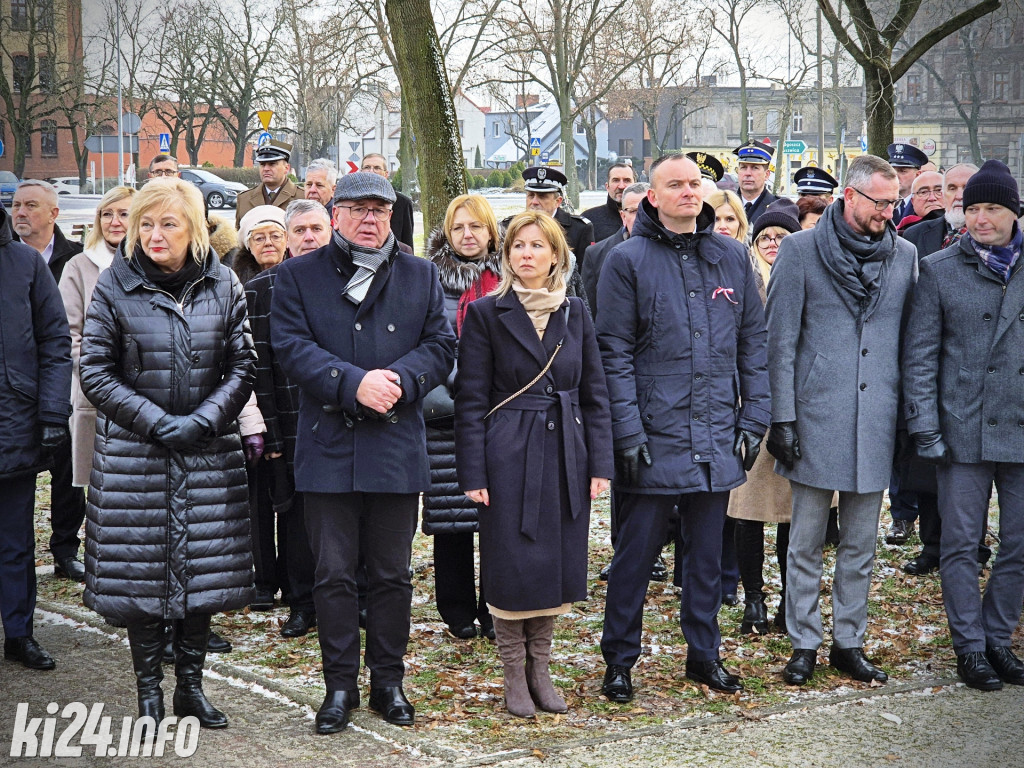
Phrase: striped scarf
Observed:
(367, 262)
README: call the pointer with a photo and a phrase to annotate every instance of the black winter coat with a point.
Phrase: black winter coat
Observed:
(606, 219)
(536, 454)
(167, 532)
(35, 356)
(446, 509)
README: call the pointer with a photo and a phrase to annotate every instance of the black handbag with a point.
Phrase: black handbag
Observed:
(438, 405)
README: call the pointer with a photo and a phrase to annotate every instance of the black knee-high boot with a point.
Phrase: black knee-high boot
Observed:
(782, 552)
(190, 637)
(750, 556)
(146, 640)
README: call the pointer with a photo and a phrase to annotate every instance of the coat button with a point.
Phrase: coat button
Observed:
(696, 456)
(334, 373)
(686, 256)
(359, 326)
(391, 327)
(692, 294)
(986, 316)
(992, 422)
(549, 389)
(648, 417)
(863, 387)
(393, 419)
(1021, 371)
(697, 377)
(1020, 423)
(1020, 316)
(864, 352)
(423, 379)
(551, 426)
(696, 334)
(195, 358)
(991, 369)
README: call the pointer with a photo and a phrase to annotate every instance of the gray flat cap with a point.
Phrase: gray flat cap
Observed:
(363, 185)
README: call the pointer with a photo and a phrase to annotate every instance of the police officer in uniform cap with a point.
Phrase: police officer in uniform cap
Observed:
(907, 160)
(710, 166)
(275, 188)
(752, 170)
(815, 182)
(545, 191)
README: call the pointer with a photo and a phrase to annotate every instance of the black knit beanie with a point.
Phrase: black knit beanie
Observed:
(781, 213)
(993, 184)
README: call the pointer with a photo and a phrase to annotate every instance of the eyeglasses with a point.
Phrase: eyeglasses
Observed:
(275, 237)
(880, 205)
(359, 212)
(163, 172)
(924, 192)
(765, 240)
(630, 211)
(111, 215)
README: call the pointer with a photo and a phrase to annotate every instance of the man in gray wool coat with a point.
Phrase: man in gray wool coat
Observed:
(964, 405)
(835, 303)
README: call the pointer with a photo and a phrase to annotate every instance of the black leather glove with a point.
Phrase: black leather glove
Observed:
(627, 464)
(932, 448)
(182, 433)
(54, 437)
(747, 445)
(372, 415)
(783, 442)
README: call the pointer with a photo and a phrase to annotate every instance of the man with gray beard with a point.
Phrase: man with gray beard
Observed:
(932, 235)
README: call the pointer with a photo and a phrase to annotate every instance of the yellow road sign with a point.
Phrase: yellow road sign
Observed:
(265, 115)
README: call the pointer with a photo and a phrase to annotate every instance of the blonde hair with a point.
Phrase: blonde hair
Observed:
(724, 197)
(477, 207)
(116, 195)
(162, 194)
(552, 232)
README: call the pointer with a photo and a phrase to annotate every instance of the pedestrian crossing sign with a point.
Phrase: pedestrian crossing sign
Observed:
(165, 143)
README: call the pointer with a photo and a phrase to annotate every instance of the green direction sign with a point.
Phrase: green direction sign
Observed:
(796, 147)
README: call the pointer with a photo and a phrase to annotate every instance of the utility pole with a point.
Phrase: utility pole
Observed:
(821, 101)
(120, 106)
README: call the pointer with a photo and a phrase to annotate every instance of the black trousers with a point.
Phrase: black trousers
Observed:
(730, 563)
(642, 524)
(67, 506)
(17, 555)
(281, 555)
(455, 581)
(380, 527)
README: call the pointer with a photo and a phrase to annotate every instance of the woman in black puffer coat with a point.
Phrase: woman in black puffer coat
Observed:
(168, 362)
(464, 250)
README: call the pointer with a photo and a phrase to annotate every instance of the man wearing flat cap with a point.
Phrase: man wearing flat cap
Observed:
(360, 328)
(816, 182)
(275, 187)
(962, 393)
(907, 160)
(752, 169)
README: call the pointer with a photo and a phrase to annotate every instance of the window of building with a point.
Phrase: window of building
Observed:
(48, 138)
(798, 122)
(579, 129)
(1000, 86)
(915, 92)
(773, 122)
(462, 129)
(963, 89)
(496, 130)
(44, 15)
(750, 121)
(46, 74)
(21, 73)
(1004, 34)
(19, 15)
(625, 147)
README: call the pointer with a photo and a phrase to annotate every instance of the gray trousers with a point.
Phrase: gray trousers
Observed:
(976, 621)
(858, 527)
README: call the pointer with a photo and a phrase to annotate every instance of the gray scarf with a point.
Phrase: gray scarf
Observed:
(854, 261)
(367, 261)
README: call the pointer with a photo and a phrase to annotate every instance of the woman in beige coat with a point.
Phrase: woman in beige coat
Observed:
(765, 497)
(76, 286)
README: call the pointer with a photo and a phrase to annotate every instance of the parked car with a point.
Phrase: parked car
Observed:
(8, 183)
(65, 185)
(218, 192)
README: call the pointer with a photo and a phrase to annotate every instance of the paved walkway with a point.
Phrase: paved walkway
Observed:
(931, 723)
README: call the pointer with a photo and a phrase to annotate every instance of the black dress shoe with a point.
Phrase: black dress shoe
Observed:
(853, 662)
(262, 601)
(362, 618)
(300, 621)
(28, 653)
(69, 568)
(921, 565)
(1009, 668)
(900, 532)
(800, 668)
(618, 685)
(334, 712)
(390, 702)
(603, 573)
(730, 598)
(659, 571)
(976, 672)
(487, 630)
(467, 632)
(217, 644)
(713, 675)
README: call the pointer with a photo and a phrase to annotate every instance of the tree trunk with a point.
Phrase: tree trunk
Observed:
(743, 105)
(591, 130)
(565, 125)
(406, 148)
(880, 110)
(424, 81)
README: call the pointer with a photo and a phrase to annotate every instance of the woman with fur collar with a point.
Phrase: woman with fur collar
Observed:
(464, 249)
